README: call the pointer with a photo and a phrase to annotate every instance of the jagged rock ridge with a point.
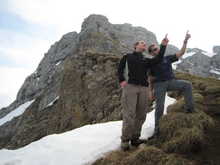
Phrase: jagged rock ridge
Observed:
(120, 36)
(201, 63)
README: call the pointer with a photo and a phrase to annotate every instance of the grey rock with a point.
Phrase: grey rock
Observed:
(171, 49)
(216, 49)
(195, 50)
(123, 35)
(200, 64)
(45, 74)
(215, 66)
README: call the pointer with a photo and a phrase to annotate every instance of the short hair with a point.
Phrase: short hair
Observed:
(135, 44)
(150, 48)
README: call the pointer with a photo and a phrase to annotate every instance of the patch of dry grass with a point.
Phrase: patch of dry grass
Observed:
(148, 155)
(183, 132)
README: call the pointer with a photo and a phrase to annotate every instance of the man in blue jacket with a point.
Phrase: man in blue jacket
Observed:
(164, 80)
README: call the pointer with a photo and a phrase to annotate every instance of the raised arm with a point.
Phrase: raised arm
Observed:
(160, 56)
(183, 49)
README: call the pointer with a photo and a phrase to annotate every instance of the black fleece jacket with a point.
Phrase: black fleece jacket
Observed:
(138, 67)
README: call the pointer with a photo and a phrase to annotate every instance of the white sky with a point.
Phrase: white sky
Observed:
(50, 19)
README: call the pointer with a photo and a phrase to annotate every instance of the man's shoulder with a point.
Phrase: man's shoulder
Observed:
(129, 54)
(170, 55)
(124, 56)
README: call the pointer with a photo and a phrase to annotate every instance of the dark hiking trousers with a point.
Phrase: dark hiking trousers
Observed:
(134, 102)
(160, 89)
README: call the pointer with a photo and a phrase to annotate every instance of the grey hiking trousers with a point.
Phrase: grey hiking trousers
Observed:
(160, 89)
(134, 102)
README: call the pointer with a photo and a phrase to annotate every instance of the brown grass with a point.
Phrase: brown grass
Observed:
(147, 155)
(182, 133)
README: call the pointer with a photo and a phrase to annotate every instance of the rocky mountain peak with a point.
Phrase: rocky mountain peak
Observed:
(197, 64)
(96, 23)
(97, 35)
(196, 50)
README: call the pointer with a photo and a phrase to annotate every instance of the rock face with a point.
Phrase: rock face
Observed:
(120, 37)
(77, 75)
(45, 74)
(197, 64)
(215, 63)
(201, 63)
(216, 49)
(171, 50)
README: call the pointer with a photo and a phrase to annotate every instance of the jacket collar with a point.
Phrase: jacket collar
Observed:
(138, 53)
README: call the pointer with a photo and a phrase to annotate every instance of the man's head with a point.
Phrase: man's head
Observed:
(153, 50)
(140, 46)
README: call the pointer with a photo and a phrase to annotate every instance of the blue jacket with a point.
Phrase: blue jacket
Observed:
(163, 71)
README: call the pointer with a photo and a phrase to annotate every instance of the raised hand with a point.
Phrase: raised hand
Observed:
(187, 37)
(165, 40)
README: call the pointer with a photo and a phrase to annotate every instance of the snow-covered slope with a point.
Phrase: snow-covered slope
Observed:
(17, 112)
(75, 147)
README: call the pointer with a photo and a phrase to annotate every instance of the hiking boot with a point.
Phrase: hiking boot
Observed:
(125, 145)
(137, 142)
(189, 111)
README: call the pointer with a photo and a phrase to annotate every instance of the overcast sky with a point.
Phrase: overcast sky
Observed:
(28, 28)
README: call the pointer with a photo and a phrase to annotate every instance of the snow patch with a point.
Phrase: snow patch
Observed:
(216, 69)
(76, 147)
(190, 63)
(52, 102)
(215, 72)
(17, 112)
(188, 55)
(209, 54)
(174, 65)
(58, 63)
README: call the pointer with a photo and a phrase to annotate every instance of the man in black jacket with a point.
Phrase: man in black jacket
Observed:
(164, 80)
(132, 74)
